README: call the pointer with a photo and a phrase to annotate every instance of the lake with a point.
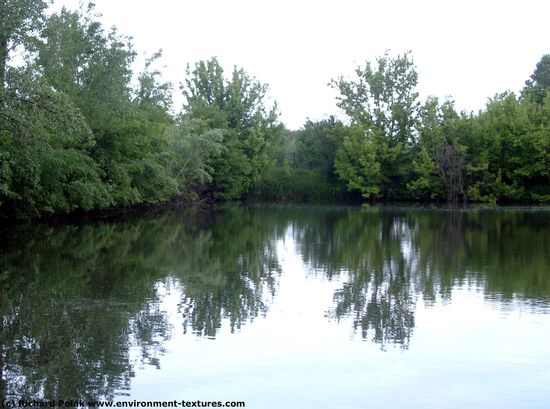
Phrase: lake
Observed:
(282, 307)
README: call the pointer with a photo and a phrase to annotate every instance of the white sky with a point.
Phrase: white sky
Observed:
(469, 50)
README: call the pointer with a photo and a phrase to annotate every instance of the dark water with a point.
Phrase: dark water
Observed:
(282, 307)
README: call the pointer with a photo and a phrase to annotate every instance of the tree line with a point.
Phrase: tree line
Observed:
(396, 147)
(80, 130)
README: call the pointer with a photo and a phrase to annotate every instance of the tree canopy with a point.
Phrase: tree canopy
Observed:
(80, 129)
(236, 107)
(382, 105)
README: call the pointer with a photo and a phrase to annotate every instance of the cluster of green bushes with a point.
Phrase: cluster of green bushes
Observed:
(79, 130)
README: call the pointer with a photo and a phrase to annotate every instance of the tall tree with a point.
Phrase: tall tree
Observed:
(44, 152)
(93, 66)
(194, 146)
(382, 104)
(44, 140)
(237, 107)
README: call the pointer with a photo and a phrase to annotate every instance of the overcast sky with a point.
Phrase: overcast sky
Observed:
(468, 50)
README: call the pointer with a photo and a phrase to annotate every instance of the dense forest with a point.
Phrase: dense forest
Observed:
(80, 130)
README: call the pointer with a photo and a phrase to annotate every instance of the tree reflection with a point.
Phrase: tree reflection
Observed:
(70, 297)
(505, 253)
(367, 248)
(228, 268)
(81, 305)
(388, 258)
(75, 300)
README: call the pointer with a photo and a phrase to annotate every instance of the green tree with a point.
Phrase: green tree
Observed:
(440, 162)
(237, 107)
(45, 146)
(541, 75)
(358, 161)
(508, 152)
(382, 103)
(316, 145)
(194, 146)
(129, 126)
(304, 165)
(152, 96)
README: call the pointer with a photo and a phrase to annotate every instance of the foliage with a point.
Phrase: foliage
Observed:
(538, 84)
(382, 104)
(20, 20)
(46, 144)
(509, 152)
(541, 75)
(80, 130)
(304, 165)
(440, 161)
(194, 146)
(316, 146)
(130, 134)
(73, 136)
(235, 107)
(297, 184)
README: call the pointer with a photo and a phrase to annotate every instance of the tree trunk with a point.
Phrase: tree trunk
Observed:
(450, 166)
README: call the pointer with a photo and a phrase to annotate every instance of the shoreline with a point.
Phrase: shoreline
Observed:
(202, 205)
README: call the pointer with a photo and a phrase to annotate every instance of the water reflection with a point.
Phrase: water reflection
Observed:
(369, 248)
(390, 257)
(227, 266)
(66, 317)
(76, 299)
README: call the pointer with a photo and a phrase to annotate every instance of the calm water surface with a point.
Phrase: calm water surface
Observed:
(282, 307)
